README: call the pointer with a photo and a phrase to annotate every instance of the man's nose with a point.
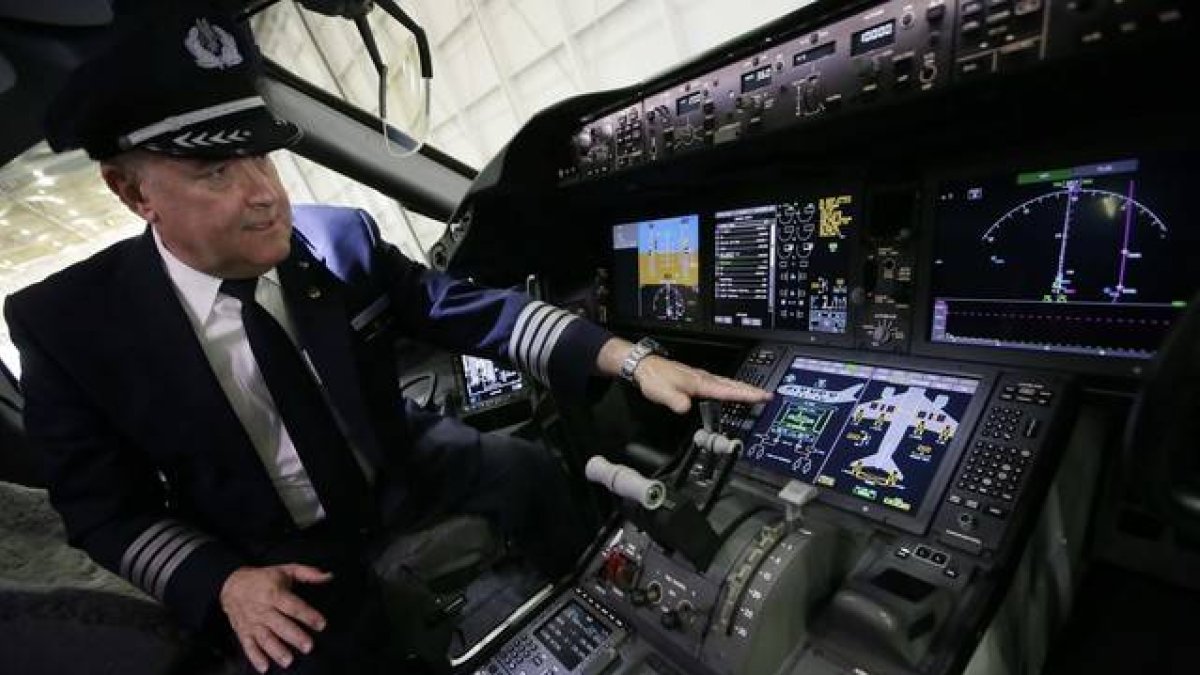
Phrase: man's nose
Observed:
(261, 187)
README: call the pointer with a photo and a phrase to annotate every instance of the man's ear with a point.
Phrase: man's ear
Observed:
(126, 184)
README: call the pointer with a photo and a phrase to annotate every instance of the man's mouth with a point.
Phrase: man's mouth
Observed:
(263, 225)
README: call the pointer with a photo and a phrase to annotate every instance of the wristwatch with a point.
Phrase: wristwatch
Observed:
(644, 347)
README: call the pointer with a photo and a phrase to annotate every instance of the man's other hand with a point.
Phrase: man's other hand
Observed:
(675, 385)
(267, 617)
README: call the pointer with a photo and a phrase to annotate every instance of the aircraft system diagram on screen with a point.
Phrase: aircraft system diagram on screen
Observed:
(877, 434)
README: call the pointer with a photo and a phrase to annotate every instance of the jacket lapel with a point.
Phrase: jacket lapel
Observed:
(317, 304)
(199, 418)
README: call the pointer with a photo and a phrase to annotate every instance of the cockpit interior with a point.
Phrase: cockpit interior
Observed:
(952, 237)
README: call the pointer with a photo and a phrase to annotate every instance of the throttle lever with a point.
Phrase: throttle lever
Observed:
(710, 414)
(626, 482)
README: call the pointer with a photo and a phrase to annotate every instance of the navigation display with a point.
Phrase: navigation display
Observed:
(486, 381)
(1096, 259)
(874, 433)
(656, 270)
(784, 265)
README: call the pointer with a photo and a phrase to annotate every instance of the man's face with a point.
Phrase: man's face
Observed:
(229, 217)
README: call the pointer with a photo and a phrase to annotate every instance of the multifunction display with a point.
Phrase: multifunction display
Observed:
(487, 381)
(875, 433)
(572, 634)
(784, 265)
(1094, 259)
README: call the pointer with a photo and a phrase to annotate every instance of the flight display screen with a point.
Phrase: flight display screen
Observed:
(1095, 259)
(874, 433)
(785, 265)
(572, 634)
(656, 270)
(486, 381)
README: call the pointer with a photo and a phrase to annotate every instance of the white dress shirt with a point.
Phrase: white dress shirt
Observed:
(217, 320)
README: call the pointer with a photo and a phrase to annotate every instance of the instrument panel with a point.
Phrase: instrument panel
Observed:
(928, 474)
(893, 51)
(1076, 257)
(920, 265)
(1080, 259)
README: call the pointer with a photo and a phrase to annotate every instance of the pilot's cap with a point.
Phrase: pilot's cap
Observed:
(181, 83)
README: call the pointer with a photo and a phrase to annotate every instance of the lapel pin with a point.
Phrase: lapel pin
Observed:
(313, 292)
(302, 264)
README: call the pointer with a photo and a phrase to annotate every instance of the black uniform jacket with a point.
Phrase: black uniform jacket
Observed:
(149, 466)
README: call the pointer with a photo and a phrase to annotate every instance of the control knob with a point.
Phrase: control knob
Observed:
(967, 522)
(679, 617)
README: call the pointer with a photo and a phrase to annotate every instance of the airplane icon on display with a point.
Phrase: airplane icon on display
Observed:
(899, 413)
(847, 395)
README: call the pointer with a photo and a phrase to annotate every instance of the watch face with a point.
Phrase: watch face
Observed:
(651, 345)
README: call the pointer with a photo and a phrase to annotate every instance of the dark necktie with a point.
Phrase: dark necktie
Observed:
(322, 447)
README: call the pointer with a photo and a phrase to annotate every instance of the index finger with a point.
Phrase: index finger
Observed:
(291, 605)
(725, 389)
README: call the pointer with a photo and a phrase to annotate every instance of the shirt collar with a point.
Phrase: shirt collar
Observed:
(197, 289)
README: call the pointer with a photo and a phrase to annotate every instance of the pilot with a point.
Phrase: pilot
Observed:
(215, 399)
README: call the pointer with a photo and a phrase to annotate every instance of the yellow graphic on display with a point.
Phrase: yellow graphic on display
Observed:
(669, 269)
(832, 217)
(670, 258)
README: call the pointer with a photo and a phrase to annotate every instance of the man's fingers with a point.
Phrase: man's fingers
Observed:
(291, 633)
(677, 402)
(291, 605)
(722, 388)
(745, 392)
(273, 646)
(674, 385)
(257, 658)
(306, 574)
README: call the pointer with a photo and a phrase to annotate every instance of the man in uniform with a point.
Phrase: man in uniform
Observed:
(216, 399)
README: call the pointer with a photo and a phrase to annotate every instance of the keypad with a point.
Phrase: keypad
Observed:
(517, 652)
(994, 470)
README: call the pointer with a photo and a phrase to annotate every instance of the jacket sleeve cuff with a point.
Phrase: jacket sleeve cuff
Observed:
(194, 591)
(558, 349)
(572, 365)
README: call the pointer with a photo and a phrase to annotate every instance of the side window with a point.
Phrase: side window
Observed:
(312, 183)
(55, 211)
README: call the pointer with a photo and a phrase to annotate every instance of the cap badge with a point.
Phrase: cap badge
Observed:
(212, 46)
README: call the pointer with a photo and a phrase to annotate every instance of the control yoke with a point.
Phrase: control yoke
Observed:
(674, 513)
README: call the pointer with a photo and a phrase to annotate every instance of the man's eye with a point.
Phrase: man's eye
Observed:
(217, 170)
